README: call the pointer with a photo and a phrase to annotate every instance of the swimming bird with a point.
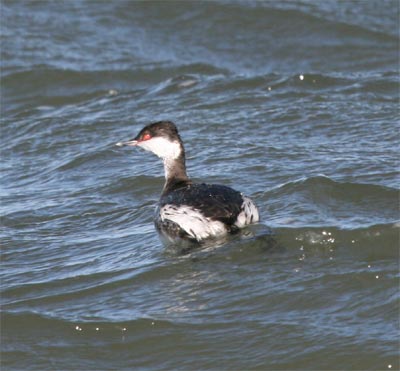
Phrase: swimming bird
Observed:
(187, 210)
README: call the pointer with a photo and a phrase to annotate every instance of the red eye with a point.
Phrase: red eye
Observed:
(146, 136)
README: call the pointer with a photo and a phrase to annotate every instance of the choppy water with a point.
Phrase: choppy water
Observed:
(294, 103)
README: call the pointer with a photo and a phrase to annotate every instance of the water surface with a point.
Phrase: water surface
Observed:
(294, 103)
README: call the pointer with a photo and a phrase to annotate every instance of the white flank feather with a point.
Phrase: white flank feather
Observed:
(195, 224)
(249, 213)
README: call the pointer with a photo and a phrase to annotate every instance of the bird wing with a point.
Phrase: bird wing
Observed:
(215, 202)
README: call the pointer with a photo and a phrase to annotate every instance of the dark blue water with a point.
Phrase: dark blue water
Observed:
(294, 103)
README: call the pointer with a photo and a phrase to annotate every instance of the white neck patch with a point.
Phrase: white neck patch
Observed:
(162, 148)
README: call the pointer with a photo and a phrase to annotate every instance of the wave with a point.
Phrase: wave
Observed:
(59, 81)
(376, 241)
(36, 321)
(340, 189)
(322, 201)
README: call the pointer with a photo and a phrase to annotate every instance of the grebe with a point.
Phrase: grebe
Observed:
(188, 210)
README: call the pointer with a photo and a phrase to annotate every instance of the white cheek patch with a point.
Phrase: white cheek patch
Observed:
(162, 147)
(192, 221)
(249, 213)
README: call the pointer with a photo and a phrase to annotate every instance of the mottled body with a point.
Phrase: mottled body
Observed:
(187, 210)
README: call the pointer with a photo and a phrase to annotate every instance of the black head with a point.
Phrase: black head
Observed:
(161, 138)
(164, 129)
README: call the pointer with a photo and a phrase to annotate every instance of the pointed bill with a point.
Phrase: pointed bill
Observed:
(127, 143)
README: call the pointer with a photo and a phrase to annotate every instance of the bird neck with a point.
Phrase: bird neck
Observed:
(175, 173)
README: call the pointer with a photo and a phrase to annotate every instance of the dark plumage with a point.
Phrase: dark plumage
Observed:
(216, 201)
